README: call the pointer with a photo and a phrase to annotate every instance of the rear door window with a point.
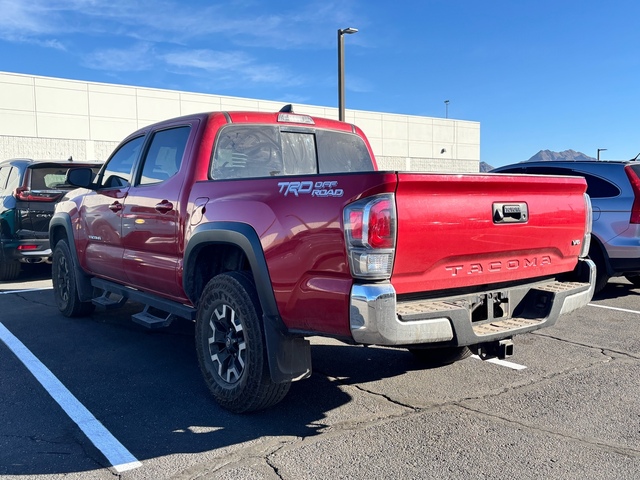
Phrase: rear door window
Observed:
(598, 187)
(164, 157)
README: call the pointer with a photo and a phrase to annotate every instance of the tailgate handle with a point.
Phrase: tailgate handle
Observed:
(512, 212)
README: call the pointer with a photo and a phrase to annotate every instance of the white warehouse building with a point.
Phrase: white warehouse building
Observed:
(54, 118)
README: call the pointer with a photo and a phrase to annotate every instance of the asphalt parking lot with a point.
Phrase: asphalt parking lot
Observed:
(131, 403)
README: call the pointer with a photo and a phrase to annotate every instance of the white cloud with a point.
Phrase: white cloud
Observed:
(171, 21)
(208, 60)
(233, 65)
(177, 35)
(140, 57)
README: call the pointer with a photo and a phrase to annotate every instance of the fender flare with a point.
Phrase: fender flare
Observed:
(289, 356)
(83, 281)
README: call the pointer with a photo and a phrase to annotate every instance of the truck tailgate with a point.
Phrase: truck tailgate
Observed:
(466, 230)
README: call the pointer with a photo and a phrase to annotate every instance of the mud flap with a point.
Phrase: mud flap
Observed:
(289, 356)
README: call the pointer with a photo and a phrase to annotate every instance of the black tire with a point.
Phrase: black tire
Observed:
(635, 279)
(231, 347)
(65, 291)
(602, 277)
(9, 270)
(440, 356)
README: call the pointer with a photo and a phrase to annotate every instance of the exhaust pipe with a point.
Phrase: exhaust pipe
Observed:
(500, 349)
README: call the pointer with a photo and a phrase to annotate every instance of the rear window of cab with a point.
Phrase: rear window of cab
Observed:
(255, 151)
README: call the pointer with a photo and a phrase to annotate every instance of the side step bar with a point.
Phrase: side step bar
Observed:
(165, 311)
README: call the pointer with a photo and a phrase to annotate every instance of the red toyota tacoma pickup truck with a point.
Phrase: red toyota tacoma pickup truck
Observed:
(267, 228)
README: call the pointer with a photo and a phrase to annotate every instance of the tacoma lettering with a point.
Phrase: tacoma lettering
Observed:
(497, 266)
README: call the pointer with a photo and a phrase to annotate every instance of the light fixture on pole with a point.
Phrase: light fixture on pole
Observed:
(600, 150)
(341, 33)
(446, 109)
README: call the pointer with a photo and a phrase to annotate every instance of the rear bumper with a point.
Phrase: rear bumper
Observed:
(377, 318)
(27, 251)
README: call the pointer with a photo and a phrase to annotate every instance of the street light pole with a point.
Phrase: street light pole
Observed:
(446, 109)
(600, 150)
(341, 33)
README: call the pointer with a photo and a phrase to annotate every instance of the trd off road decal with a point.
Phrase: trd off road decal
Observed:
(315, 189)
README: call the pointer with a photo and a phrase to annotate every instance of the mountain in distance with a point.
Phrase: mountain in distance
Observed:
(567, 155)
(485, 167)
(547, 156)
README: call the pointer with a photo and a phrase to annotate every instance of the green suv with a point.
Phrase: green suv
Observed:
(29, 190)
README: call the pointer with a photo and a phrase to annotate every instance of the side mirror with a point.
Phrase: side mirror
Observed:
(80, 177)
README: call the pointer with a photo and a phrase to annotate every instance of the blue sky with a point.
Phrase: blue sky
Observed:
(544, 74)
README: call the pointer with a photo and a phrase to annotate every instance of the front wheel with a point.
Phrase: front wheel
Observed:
(65, 290)
(231, 348)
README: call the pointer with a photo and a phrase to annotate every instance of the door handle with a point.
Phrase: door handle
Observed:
(115, 207)
(164, 206)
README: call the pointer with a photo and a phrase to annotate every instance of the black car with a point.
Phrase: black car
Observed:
(29, 190)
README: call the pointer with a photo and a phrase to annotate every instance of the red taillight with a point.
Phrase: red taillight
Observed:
(355, 223)
(26, 195)
(381, 228)
(27, 247)
(635, 185)
(370, 234)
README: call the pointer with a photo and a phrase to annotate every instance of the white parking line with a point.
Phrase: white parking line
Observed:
(28, 290)
(502, 363)
(614, 308)
(111, 448)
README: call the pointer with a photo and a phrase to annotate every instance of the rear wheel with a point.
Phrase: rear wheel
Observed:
(9, 270)
(231, 348)
(602, 277)
(65, 291)
(440, 356)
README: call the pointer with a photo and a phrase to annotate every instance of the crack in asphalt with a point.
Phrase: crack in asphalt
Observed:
(619, 449)
(30, 300)
(362, 389)
(413, 410)
(603, 350)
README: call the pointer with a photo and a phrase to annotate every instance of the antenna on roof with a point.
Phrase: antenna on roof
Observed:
(70, 159)
(287, 109)
(635, 158)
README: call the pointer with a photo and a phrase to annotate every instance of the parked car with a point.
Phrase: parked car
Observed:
(29, 190)
(614, 188)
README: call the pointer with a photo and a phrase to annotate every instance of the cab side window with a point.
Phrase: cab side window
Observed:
(118, 170)
(164, 156)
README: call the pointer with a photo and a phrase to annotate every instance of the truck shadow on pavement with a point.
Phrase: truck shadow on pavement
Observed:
(145, 387)
(616, 288)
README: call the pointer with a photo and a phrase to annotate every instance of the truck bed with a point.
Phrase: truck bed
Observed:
(459, 231)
